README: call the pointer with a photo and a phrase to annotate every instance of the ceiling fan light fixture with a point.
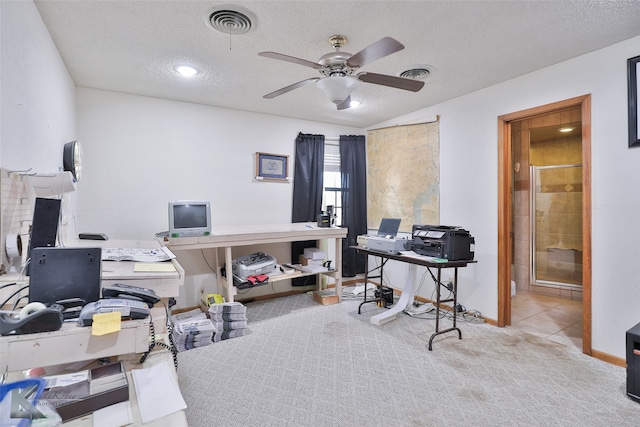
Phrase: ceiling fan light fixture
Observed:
(337, 88)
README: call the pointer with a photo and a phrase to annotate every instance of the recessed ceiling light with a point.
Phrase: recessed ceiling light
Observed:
(186, 70)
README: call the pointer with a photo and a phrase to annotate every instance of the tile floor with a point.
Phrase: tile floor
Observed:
(553, 318)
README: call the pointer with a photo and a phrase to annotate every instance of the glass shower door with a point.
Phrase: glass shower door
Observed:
(556, 226)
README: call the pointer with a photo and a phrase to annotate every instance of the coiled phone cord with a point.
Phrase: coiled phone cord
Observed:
(154, 343)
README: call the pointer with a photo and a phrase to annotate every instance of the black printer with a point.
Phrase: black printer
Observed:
(442, 241)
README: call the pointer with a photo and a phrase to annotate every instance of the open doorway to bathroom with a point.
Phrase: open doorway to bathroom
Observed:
(545, 220)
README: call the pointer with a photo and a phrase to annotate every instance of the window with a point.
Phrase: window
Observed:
(332, 193)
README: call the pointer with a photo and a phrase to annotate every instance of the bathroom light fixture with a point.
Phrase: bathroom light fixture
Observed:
(186, 70)
(337, 88)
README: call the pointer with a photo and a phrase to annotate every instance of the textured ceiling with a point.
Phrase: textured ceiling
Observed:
(133, 46)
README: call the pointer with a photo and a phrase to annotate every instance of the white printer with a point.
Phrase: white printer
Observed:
(253, 265)
(386, 240)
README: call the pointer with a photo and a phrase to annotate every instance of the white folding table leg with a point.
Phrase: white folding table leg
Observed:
(405, 300)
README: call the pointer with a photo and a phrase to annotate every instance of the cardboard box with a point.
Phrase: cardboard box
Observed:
(104, 386)
(314, 253)
(303, 260)
(325, 297)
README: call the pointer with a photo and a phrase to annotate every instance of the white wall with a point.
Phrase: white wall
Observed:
(141, 152)
(38, 96)
(469, 181)
(37, 116)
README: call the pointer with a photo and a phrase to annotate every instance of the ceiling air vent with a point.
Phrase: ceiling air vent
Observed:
(230, 21)
(417, 72)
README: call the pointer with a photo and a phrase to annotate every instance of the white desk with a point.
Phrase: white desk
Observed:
(73, 343)
(246, 235)
(165, 284)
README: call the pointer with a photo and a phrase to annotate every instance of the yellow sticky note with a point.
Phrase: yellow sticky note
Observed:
(106, 323)
(153, 267)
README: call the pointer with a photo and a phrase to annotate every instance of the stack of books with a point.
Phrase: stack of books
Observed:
(192, 329)
(229, 320)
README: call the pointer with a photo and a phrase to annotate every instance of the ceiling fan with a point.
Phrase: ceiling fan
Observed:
(338, 68)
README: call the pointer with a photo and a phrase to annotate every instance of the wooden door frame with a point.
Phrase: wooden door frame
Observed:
(505, 209)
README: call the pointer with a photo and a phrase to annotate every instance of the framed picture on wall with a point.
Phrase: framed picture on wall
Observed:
(272, 167)
(633, 68)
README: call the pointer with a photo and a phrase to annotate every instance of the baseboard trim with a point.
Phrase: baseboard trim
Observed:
(605, 357)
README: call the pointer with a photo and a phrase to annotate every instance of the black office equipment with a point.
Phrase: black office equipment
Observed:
(45, 320)
(122, 291)
(441, 241)
(46, 214)
(92, 236)
(633, 363)
(44, 227)
(66, 276)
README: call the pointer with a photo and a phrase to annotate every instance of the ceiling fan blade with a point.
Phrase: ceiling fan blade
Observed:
(391, 81)
(290, 88)
(293, 59)
(345, 104)
(383, 47)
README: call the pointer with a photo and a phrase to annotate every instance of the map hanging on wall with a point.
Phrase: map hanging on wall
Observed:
(403, 175)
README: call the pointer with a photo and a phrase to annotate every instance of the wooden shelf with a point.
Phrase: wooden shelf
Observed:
(229, 237)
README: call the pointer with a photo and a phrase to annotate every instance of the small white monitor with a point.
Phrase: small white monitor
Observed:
(188, 218)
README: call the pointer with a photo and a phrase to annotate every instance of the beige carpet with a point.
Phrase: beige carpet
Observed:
(303, 364)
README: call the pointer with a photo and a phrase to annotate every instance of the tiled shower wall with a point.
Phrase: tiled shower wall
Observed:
(543, 153)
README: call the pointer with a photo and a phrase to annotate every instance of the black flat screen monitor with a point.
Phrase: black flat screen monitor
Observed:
(44, 227)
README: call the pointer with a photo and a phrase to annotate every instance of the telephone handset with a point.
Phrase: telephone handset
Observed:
(135, 293)
(128, 309)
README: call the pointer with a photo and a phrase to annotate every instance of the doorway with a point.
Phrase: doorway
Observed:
(546, 260)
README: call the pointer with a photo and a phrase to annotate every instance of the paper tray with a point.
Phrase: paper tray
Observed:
(106, 386)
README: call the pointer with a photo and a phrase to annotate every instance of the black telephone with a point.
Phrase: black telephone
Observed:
(135, 293)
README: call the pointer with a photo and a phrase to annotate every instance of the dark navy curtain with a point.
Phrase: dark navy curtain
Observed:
(353, 168)
(307, 191)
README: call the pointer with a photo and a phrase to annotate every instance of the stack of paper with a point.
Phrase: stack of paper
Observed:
(157, 391)
(192, 329)
(229, 320)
